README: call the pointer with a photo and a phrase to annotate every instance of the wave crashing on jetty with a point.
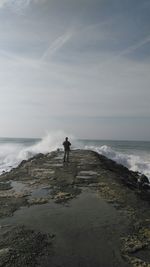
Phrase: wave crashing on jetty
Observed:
(13, 151)
(132, 162)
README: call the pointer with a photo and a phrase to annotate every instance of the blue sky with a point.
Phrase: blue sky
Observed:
(80, 66)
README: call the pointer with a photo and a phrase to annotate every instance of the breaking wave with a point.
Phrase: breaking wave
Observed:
(131, 161)
(11, 154)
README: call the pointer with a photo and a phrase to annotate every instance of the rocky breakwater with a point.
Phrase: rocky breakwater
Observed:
(45, 179)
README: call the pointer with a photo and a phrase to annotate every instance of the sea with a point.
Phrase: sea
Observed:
(135, 155)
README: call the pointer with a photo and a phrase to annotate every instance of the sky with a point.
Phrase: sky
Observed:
(80, 66)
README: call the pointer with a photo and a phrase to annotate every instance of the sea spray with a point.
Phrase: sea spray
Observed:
(11, 154)
(131, 161)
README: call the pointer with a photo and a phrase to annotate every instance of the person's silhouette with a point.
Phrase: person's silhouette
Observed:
(66, 145)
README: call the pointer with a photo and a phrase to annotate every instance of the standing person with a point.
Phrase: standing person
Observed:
(66, 145)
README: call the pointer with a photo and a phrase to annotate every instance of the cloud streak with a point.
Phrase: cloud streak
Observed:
(56, 45)
(128, 51)
(134, 47)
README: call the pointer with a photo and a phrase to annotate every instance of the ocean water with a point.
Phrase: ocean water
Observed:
(135, 155)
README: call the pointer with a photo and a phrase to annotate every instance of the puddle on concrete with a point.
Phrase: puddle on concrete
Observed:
(86, 231)
(35, 192)
(5, 186)
(18, 187)
(40, 192)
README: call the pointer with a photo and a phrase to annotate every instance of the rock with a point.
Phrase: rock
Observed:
(37, 201)
(143, 182)
(22, 163)
(62, 196)
(4, 251)
(135, 262)
(144, 179)
(133, 245)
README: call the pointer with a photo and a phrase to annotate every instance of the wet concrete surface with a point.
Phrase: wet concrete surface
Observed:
(86, 205)
(87, 231)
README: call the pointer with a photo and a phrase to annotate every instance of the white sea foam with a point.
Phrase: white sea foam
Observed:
(131, 161)
(12, 154)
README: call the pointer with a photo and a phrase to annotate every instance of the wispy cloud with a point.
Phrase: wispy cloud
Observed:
(132, 48)
(18, 5)
(128, 50)
(56, 45)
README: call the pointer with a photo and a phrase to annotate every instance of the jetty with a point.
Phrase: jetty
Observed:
(89, 212)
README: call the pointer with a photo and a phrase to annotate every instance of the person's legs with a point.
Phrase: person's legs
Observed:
(65, 155)
(67, 152)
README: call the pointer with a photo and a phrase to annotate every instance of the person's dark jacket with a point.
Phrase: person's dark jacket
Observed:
(66, 145)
